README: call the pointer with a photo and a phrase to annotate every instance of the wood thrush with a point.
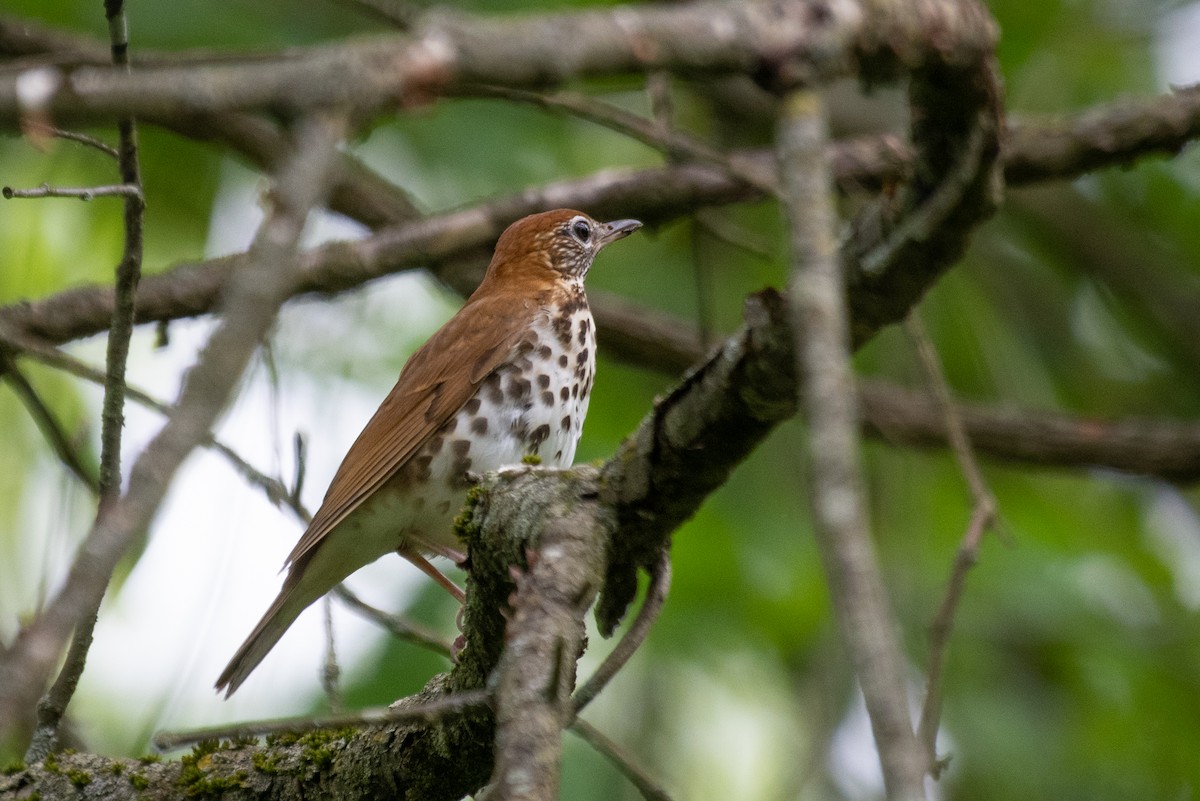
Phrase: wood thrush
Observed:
(507, 377)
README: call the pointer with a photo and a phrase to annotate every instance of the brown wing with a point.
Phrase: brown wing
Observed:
(435, 383)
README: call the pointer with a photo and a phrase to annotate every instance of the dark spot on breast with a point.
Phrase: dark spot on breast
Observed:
(472, 406)
(566, 423)
(557, 455)
(419, 467)
(562, 329)
(458, 474)
(543, 381)
(544, 353)
(538, 437)
(582, 357)
(525, 346)
(562, 360)
(574, 390)
(584, 326)
(435, 444)
(449, 426)
(564, 393)
(494, 393)
(548, 398)
(576, 302)
(461, 447)
(519, 388)
(479, 425)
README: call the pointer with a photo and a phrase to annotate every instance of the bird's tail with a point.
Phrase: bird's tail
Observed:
(283, 612)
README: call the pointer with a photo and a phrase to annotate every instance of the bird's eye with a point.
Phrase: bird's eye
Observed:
(581, 230)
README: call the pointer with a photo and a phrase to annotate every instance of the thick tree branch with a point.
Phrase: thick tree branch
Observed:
(544, 639)
(811, 40)
(193, 288)
(1166, 449)
(655, 195)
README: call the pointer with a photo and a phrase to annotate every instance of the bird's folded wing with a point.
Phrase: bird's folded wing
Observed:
(435, 383)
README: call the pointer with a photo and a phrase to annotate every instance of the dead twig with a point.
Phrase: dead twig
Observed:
(983, 514)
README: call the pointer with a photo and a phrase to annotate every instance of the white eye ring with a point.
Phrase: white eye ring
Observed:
(581, 230)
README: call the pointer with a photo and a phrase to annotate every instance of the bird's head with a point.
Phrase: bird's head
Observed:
(557, 245)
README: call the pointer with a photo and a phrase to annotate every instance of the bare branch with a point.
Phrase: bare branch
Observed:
(650, 789)
(1168, 449)
(842, 529)
(656, 597)
(983, 514)
(394, 624)
(84, 139)
(452, 51)
(330, 670)
(653, 195)
(398, 13)
(676, 144)
(53, 705)
(48, 423)
(252, 299)
(84, 193)
(1107, 135)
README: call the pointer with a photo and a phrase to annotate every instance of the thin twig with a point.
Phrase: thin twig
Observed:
(48, 423)
(983, 515)
(398, 626)
(656, 597)
(429, 712)
(330, 671)
(81, 138)
(842, 528)
(53, 705)
(397, 13)
(652, 133)
(650, 789)
(79, 193)
(53, 357)
(725, 230)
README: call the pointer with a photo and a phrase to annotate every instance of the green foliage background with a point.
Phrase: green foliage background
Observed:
(1074, 671)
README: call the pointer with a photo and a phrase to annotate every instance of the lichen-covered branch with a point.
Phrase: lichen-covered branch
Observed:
(545, 634)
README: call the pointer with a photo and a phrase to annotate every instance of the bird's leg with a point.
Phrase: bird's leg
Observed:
(428, 569)
(453, 554)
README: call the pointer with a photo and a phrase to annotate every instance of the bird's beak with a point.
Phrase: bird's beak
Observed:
(618, 229)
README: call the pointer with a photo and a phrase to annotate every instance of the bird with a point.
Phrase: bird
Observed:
(506, 378)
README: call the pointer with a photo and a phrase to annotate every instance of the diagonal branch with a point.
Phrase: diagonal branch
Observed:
(48, 423)
(654, 195)
(983, 515)
(253, 297)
